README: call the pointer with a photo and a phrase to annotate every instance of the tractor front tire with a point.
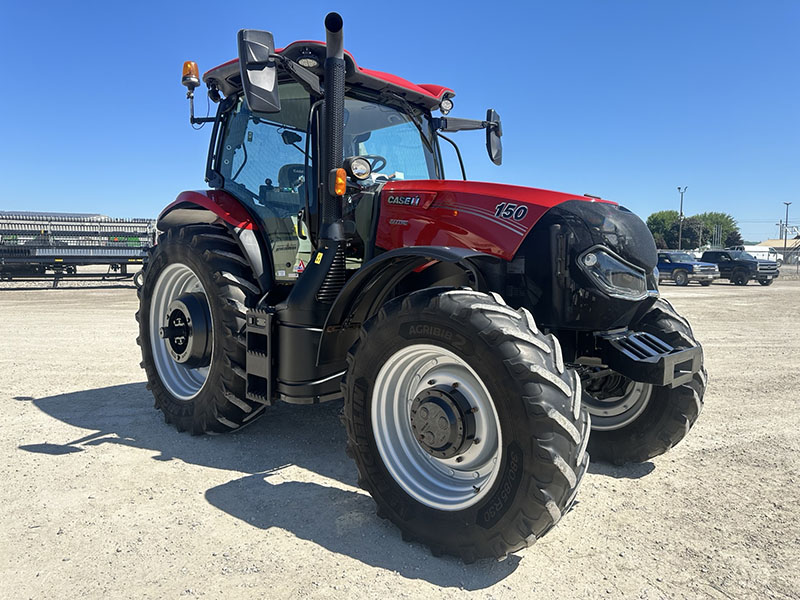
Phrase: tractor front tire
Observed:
(203, 263)
(646, 420)
(465, 425)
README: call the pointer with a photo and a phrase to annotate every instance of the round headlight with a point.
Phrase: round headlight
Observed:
(446, 106)
(590, 260)
(358, 167)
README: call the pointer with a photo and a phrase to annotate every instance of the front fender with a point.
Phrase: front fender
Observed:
(217, 206)
(375, 283)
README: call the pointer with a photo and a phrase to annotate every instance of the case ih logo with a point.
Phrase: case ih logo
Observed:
(404, 200)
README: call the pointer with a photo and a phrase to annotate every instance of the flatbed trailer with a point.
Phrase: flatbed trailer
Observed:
(53, 245)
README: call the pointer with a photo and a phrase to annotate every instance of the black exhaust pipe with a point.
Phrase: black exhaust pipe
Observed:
(334, 120)
(332, 227)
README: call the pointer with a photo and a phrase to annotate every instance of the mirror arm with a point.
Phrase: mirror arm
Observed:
(452, 124)
(300, 74)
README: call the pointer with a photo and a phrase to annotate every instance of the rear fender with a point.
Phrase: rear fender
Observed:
(219, 207)
(399, 272)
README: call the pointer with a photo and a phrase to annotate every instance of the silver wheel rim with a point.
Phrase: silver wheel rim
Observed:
(446, 484)
(182, 382)
(616, 412)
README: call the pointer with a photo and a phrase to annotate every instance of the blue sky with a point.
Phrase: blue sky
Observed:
(622, 99)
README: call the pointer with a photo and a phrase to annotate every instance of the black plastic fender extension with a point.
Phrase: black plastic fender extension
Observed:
(365, 292)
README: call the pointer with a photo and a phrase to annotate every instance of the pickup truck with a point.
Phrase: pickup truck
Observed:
(682, 267)
(740, 267)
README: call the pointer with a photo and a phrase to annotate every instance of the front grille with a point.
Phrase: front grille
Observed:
(767, 267)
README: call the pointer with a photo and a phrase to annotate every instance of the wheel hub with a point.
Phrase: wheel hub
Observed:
(186, 330)
(613, 400)
(443, 421)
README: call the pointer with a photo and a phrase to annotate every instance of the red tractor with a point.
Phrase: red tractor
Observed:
(476, 331)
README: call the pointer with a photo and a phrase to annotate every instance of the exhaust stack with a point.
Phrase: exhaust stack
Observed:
(332, 227)
(334, 120)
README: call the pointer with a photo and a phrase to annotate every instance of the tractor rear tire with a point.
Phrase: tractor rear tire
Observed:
(681, 278)
(659, 416)
(204, 261)
(503, 380)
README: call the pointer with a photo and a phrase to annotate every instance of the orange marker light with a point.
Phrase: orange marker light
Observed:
(339, 182)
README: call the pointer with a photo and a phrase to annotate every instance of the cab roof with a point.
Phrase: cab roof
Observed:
(227, 79)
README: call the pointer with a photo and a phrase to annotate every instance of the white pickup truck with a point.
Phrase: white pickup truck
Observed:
(762, 252)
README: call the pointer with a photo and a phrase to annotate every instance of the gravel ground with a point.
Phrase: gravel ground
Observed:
(101, 499)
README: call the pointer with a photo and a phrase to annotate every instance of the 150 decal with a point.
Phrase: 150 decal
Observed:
(506, 210)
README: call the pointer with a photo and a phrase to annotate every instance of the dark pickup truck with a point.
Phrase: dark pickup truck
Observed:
(682, 267)
(740, 267)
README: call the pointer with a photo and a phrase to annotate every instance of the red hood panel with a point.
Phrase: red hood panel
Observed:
(488, 217)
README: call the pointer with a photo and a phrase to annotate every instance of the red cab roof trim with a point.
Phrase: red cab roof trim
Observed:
(227, 79)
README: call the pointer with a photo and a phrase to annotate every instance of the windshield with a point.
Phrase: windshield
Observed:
(682, 257)
(389, 139)
(739, 255)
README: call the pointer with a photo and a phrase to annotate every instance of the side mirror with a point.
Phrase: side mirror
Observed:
(258, 71)
(494, 131)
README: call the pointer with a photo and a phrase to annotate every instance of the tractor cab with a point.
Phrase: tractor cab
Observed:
(271, 165)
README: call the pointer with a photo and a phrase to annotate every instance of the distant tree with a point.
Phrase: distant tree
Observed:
(734, 238)
(690, 237)
(727, 224)
(660, 224)
(692, 232)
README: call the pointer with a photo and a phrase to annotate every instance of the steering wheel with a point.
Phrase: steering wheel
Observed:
(377, 161)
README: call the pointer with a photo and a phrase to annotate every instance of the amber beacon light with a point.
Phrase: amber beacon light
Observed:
(191, 78)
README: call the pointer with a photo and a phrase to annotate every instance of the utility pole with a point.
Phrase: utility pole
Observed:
(680, 217)
(786, 231)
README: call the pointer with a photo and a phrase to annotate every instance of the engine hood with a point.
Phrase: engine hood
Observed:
(489, 217)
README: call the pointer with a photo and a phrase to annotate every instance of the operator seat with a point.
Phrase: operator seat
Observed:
(292, 177)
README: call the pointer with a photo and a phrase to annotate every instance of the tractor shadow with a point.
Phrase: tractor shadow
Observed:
(270, 494)
(628, 471)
